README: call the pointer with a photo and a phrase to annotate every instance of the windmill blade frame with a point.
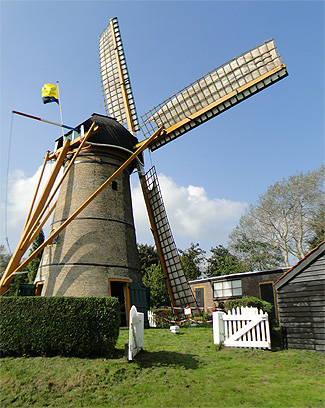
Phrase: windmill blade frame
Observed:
(179, 290)
(217, 91)
(115, 80)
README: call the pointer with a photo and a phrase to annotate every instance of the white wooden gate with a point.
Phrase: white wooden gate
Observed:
(242, 327)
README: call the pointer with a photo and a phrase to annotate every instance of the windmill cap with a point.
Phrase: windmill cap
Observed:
(112, 132)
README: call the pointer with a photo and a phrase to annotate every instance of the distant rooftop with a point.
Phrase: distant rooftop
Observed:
(236, 275)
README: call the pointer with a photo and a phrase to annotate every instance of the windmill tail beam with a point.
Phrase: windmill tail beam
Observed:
(33, 222)
(23, 243)
(37, 188)
(92, 131)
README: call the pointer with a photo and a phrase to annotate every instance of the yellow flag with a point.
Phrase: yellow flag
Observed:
(50, 93)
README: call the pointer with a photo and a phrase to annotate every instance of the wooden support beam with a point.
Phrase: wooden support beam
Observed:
(6, 278)
(37, 188)
(92, 130)
(23, 244)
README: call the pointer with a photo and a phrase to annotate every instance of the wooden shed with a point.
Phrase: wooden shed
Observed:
(210, 291)
(300, 299)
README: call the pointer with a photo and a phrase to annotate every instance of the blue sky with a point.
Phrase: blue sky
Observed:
(208, 176)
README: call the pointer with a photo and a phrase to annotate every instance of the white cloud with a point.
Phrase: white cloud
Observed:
(21, 190)
(193, 216)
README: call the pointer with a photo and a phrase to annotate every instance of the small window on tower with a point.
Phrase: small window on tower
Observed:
(114, 185)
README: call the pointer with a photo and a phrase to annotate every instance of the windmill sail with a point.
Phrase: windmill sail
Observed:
(217, 91)
(178, 287)
(116, 86)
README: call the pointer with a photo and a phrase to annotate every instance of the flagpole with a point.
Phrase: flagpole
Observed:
(44, 120)
(57, 87)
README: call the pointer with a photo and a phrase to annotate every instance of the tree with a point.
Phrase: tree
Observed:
(4, 258)
(33, 265)
(18, 279)
(148, 256)
(222, 262)
(283, 216)
(254, 255)
(154, 279)
(191, 259)
(152, 276)
(318, 225)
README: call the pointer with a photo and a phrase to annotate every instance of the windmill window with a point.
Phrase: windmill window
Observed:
(199, 296)
(114, 185)
(227, 289)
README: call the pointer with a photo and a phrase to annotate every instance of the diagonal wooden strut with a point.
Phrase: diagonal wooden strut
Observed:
(37, 188)
(92, 130)
(33, 222)
(23, 244)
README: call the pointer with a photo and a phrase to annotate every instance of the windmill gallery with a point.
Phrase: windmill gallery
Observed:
(91, 248)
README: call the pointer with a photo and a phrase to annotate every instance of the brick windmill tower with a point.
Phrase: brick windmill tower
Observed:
(100, 243)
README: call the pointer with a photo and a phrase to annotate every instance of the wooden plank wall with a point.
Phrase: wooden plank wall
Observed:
(301, 304)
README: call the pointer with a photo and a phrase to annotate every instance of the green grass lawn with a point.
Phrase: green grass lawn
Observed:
(185, 370)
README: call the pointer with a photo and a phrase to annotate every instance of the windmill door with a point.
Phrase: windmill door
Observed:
(140, 297)
(119, 289)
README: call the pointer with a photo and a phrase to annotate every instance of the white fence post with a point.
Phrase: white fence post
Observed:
(136, 330)
(218, 327)
(151, 319)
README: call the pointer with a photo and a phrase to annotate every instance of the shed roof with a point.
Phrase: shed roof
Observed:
(299, 266)
(237, 275)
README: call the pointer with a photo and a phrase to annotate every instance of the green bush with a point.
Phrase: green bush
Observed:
(65, 326)
(249, 301)
(164, 317)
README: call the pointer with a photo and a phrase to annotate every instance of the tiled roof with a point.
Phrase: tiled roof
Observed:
(299, 262)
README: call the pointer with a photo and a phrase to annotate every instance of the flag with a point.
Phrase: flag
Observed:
(50, 93)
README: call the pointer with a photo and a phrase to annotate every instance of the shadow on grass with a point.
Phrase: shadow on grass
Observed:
(146, 359)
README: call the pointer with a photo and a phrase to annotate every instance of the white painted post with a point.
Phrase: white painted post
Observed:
(136, 331)
(151, 319)
(218, 327)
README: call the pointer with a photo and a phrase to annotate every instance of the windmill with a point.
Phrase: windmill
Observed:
(95, 255)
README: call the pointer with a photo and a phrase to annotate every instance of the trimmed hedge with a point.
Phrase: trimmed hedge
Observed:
(65, 326)
(249, 301)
